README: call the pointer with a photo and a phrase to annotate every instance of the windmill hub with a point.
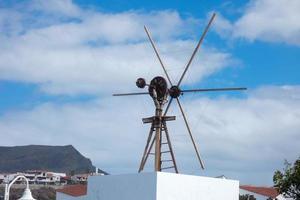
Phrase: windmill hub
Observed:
(174, 91)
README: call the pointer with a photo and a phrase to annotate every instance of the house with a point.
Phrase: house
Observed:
(65, 180)
(80, 178)
(261, 193)
(35, 177)
(44, 177)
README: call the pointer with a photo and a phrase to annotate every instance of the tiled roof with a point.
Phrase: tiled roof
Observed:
(265, 191)
(74, 190)
(66, 177)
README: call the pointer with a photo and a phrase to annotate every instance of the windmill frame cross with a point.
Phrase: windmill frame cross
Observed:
(160, 93)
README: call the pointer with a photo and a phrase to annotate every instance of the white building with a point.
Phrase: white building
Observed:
(35, 177)
(152, 186)
(80, 178)
(6, 178)
(47, 178)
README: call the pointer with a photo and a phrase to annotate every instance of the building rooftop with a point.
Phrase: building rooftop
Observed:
(265, 191)
(74, 190)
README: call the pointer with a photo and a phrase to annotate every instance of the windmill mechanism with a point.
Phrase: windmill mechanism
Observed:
(164, 92)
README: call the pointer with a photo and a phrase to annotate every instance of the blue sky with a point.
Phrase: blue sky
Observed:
(61, 60)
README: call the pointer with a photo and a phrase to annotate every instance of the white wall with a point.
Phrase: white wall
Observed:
(62, 196)
(186, 187)
(122, 187)
(157, 186)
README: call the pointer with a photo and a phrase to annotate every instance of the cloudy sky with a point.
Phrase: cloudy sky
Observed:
(60, 61)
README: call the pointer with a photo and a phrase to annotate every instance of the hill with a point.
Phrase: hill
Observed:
(39, 157)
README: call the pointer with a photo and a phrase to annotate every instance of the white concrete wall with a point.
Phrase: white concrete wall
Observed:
(186, 187)
(122, 187)
(62, 196)
(157, 186)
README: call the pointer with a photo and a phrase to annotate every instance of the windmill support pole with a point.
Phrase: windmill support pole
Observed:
(148, 153)
(144, 158)
(158, 126)
(170, 146)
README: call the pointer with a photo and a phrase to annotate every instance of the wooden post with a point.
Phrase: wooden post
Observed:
(158, 126)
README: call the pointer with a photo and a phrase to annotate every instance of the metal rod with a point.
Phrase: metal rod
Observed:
(214, 89)
(190, 133)
(133, 93)
(148, 153)
(147, 146)
(168, 167)
(157, 54)
(168, 106)
(196, 49)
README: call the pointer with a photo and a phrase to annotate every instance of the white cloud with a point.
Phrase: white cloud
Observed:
(93, 52)
(60, 7)
(266, 20)
(223, 26)
(235, 136)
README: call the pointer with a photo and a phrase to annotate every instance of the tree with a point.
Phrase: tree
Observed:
(247, 197)
(288, 181)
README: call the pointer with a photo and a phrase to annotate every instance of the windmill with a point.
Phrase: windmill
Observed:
(163, 94)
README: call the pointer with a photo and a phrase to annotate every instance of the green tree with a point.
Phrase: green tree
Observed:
(288, 181)
(247, 197)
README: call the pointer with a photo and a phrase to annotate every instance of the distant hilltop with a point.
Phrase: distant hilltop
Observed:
(65, 159)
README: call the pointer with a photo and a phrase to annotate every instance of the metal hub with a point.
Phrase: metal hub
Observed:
(174, 91)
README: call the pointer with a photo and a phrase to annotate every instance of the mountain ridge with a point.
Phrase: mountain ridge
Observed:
(65, 159)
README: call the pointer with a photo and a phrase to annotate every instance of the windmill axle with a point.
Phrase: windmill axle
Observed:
(174, 91)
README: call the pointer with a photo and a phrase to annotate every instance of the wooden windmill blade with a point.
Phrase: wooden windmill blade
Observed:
(190, 134)
(157, 54)
(196, 49)
(179, 82)
(178, 91)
